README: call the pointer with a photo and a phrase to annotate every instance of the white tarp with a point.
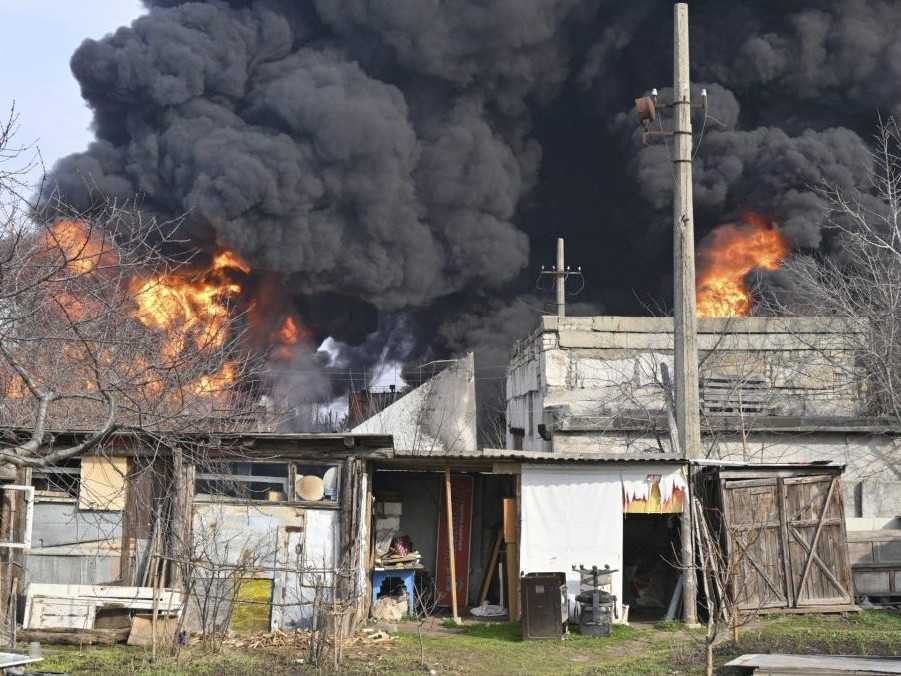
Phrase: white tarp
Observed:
(572, 515)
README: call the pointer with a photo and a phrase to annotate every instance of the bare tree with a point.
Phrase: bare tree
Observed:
(425, 603)
(104, 329)
(112, 332)
(858, 283)
(726, 600)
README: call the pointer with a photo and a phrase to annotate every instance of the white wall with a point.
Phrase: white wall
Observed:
(572, 514)
(438, 416)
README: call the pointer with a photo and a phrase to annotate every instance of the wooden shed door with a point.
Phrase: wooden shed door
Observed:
(751, 509)
(817, 544)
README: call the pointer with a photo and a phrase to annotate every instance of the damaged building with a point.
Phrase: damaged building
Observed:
(774, 391)
(258, 531)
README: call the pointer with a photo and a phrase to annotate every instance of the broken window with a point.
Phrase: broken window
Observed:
(57, 482)
(264, 481)
(269, 481)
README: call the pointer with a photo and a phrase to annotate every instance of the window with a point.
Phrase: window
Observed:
(269, 481)
(57, 482)
(531, 415)
(265, 481)
(315, 482)
(518, 434)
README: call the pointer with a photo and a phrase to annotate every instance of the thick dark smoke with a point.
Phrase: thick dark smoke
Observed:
(421, 157)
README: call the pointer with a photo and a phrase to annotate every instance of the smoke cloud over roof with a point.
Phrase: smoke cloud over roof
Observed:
(422, 156)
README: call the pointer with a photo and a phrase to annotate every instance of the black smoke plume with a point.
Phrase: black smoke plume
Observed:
(421, 157)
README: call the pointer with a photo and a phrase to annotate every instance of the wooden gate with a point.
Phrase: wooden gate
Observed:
(787, 535)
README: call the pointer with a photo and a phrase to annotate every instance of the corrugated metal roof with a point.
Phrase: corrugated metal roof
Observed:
(503, 454)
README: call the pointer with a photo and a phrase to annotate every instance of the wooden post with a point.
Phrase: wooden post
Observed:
(492, 564)
(688, 418)
(155, 612)
(452, 566)
(511, 521)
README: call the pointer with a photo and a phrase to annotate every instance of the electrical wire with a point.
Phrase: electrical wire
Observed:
(700, 135)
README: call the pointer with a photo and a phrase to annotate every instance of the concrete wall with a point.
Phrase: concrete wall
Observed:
(439, 416)
(584, 366)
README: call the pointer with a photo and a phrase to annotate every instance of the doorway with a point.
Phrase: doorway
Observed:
(650, 572)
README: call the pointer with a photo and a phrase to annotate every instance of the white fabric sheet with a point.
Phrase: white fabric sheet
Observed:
(572, 515)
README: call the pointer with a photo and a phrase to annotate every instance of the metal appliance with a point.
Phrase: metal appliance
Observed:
(597, 603)
(545, 605)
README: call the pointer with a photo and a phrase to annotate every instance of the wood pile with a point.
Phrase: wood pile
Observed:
(299, 639)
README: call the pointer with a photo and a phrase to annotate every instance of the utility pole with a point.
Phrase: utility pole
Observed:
(560, 272)
(561, 280)
(685, 329)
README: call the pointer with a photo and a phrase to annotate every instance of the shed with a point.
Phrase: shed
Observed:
(784, 525)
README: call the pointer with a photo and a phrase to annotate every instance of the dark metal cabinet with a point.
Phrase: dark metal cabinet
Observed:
(545, 607)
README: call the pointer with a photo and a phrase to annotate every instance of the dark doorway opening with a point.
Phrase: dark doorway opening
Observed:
(650, 555)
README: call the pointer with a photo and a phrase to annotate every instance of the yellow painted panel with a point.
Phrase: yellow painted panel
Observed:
(254, 614)
(102, 483)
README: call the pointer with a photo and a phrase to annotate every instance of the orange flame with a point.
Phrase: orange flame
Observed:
(288, 334)
(83, 248)
(726, 257)
(189, 309)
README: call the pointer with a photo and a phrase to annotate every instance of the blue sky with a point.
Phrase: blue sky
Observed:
(39, 37)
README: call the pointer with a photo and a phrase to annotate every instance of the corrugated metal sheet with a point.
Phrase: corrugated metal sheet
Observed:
(98, 569)
(501, 454)
(58, 523)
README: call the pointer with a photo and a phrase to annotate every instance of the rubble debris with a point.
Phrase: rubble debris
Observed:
(488, 610)
(299, 639)
(390, 608)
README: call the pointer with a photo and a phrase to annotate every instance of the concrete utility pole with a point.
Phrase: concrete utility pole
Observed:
(561, 280)
(685, 323)
(560, 272)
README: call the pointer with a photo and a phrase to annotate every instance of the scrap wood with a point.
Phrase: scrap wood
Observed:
(75, 636)
(372, 635)
(299, 639)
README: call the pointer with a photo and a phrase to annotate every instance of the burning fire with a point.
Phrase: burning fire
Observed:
(289, 334)
(84, 249)
(190, 309)
(726, 257)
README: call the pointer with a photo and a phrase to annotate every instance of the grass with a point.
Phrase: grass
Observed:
(498, 648)
(128, 660)
(873, 632)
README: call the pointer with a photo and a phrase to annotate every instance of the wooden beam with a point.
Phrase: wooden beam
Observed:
(492, 564)
(452, 566)
(816, 539)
